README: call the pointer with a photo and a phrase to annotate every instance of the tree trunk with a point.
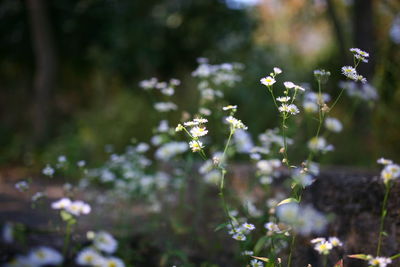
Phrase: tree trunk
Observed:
(363, 32)
(45, 64)
(337, 28)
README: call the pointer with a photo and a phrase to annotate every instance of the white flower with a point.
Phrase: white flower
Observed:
(22, 186)
(283, 99)
(248, 226)
(239, 237)
(37, 196)
(229, 107)
(142, 147)
(169, 150)
(379, 262)
(200, 120)
(78, 208)
(113, 262)
(148, 84)
(390, 172)
(205, 111)
(62, 159)
(7, 233)
(304, 179)
(165, 106)
(105, 242)
(333, 125)
(289, 85)
(178, 128)
(198, 131)
(196, 146)
(350, 72)
(304, 220)
(213, 177)
(243, 141)
(191, 123)
(319, 144)
(310, 107)
(292, 109)
(323, 247)
(256, 263)
(267, 81)
(277, 70)
(384, 161)
(335, 241)
(21, 261)
(45, 256)
(247, 253)
(236, 124)
(81, 163)
(318, 240)
(273, 228)
(88, 256)
(61, 204)
(48, 170)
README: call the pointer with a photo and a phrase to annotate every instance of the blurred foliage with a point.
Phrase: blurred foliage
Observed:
(105, 47)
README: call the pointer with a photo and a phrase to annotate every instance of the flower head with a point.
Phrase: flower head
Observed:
(267, 81)
(379, 261)
(230, 107)
(105, 242)
(333, 125)
(45, 256)
(196, 145)
(235, 123)
(198, 131)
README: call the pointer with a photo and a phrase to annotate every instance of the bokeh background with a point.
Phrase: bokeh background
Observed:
(70, 70)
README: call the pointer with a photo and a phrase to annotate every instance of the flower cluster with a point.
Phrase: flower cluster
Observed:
(197, 130)
(360, 54)
(37, 257)
(324, 246)
(390, 171)
(350, 71)
(99, 253)
(239, 231)
(166, 88)
(76, 208)
(365, 92)
(303, 220)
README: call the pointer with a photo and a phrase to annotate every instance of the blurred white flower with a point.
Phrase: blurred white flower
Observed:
(333, 125)
(45, 256)
(105, 242)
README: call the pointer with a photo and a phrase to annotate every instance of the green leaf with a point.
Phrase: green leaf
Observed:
(220, 226)
(260, 244)
(359, 256)
(288, 200)
(395, 256)
(261, 258)
(65, 216)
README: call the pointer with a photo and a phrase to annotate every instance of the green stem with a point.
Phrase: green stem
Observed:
(383, 215)
(325, 260)
(67, 239)
(289, 263)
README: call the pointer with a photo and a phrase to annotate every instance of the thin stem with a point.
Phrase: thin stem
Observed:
(337, 99)
(383, 215)
(223, 172)
(67, 238)
(325, 260)
(289, 263)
